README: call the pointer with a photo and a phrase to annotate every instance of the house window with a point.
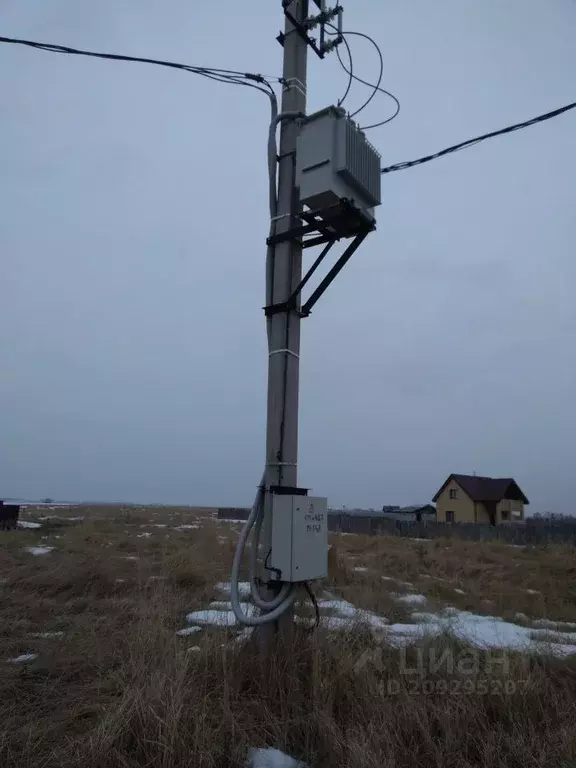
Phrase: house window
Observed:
(453, 493)
(449, 516)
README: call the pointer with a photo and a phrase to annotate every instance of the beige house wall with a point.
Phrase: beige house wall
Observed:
(462, 505)
(514, 508)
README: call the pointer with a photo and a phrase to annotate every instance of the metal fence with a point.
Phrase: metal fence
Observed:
(530, 532)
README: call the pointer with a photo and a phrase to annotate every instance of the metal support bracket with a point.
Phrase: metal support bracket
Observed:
(340, 221)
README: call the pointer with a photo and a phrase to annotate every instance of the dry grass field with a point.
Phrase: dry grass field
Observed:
(93, 672)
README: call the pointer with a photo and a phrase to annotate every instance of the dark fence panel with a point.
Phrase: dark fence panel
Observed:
(532, 532)
(8, 516)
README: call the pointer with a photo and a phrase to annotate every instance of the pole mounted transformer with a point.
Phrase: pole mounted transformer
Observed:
(325, 185)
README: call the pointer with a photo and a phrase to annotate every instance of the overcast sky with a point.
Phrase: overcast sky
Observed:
(133, 218)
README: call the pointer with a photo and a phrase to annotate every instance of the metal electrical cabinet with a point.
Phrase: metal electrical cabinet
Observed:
(299, 547)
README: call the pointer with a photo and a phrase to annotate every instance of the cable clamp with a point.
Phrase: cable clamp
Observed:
(294, 82)
(286, 351)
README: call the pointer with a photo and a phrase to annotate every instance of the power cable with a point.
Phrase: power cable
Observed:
(478, 139)
(222, 75)
(380, 76)
(351, 76)
(350, 72)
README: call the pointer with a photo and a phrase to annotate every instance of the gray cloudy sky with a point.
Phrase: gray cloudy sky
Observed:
(133, 216)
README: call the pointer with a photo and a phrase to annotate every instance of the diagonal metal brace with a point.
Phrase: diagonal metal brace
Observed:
(307, 307)
(291, 303)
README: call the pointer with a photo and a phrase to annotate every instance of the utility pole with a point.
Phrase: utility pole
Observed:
(283, 361)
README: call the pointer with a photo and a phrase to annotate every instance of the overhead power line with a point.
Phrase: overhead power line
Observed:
(221, 75)
(478, 139)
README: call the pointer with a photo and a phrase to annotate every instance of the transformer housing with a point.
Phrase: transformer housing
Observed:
(335, 162)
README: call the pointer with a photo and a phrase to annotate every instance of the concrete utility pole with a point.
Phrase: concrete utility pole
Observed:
(284, 366)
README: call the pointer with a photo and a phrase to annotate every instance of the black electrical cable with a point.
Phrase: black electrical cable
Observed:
(380, 76)
(478, 139)
(371, 85)
(349, 73)
(222, 75)
(351, 76)
(312, 597)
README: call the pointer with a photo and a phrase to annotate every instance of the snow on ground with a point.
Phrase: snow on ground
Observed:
(47, 634)
(39, 550)
(28, 524)
(212, 618)
(145, 535)
(187, 527)
(360, 569)
(188, 631)
(23, 659)
(483, 632)
(243, 588)
(410, 599)
(344, 615)
(271, 758)
(547, 624)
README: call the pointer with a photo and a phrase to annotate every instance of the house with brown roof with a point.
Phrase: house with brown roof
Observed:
(473, 499)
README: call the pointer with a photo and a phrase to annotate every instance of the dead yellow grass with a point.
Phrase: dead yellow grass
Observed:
(495, 578)
(120, 689)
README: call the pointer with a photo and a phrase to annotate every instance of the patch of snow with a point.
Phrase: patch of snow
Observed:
(360, 569)
(186, 527)
(401, 635)
(533, 591)
(410, 599)
(459, 591)
(520, 617)
(341, 607)
(554, 624)
(549, 635)
(23, 659)
(387, 578)
(417, 539)
(346, 616)
(243, 636)
(75, 519)
(28, 524)
(488, 632)
(119, 581)
(188, 631)
(243, 588)
(129, 557)
(159, 525)
(39, 550)
(423, 618)
(217, 618)
(145, 535)
(193, 649)
(271, 758)
(47, 634)
(222, 520)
